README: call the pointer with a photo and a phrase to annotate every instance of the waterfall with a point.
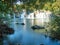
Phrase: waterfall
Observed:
(23, 14)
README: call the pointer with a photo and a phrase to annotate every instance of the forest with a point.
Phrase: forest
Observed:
(51, 5)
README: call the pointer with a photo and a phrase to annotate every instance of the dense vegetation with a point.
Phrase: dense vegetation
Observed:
(54, 27)
(52, 5)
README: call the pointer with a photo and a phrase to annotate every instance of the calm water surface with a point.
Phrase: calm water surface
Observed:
(24, 35)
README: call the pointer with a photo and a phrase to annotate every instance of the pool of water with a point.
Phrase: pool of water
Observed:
(24, 35)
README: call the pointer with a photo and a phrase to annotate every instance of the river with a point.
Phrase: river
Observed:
(24, 35)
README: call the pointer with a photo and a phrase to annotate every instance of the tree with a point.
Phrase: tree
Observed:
(56, 8)
(55, 27)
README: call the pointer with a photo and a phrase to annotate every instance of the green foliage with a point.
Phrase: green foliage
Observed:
(4, 7)
(10, 1)
(56, 7)
(51, 5)
(55, 27)
(47, 6)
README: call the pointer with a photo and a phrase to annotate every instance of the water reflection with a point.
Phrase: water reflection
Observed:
(24, 35)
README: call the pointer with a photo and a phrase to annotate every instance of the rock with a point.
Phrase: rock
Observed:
(9, 31)
(18, 44)
(41, 44)
(1, 36)
(17, 23)
(4, 29)
(22, 24)
(17, 16)
(37, 27)
(3, 25)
